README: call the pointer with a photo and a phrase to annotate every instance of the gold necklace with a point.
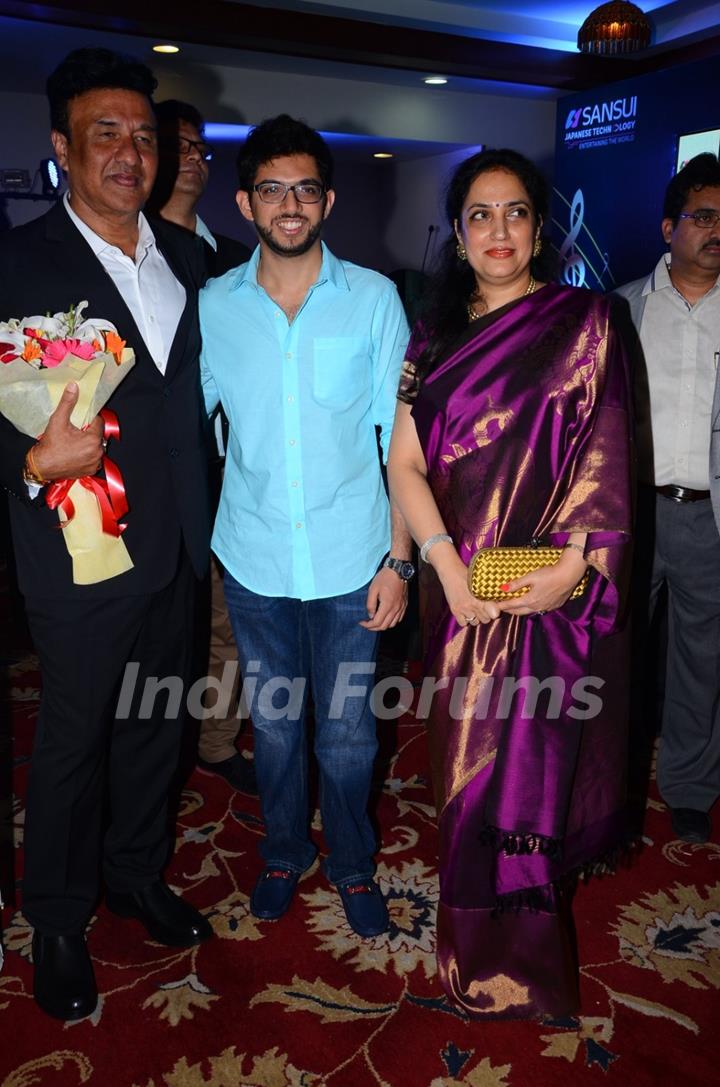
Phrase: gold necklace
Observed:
(473, 314)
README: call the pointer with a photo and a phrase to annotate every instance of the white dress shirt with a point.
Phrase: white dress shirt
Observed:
(680, 343)
(147, 285)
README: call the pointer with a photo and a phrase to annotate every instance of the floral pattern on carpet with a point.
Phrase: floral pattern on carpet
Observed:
(304, 1002)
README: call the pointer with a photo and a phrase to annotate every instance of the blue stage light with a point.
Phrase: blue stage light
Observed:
(51, 176)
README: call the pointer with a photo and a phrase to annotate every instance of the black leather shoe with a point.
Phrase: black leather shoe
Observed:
(166, 917)
(64, 983)
(237, 771)
(690, 825)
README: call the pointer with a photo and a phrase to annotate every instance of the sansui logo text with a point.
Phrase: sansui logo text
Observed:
(603, 113)
(602, 123)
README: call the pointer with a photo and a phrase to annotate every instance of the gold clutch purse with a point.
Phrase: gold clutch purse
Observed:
(491, 567)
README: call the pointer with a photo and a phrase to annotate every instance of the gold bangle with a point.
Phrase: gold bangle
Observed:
(577, 547)
(31, 472)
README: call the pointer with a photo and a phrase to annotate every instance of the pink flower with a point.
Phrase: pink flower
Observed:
(56, 350)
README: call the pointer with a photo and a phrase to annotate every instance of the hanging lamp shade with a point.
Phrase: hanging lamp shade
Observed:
(614, 28)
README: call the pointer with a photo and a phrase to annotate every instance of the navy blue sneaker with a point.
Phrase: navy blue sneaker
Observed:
(273, 892)
(365, 907)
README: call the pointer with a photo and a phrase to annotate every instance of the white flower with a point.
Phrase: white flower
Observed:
(92, 328)
(58, 327)
(12, 340)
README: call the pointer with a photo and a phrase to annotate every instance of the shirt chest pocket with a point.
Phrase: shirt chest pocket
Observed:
(342, 371)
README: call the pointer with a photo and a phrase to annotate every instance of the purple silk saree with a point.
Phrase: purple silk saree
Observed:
(526, 433)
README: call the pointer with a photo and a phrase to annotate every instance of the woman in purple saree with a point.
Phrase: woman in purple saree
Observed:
(517, 427)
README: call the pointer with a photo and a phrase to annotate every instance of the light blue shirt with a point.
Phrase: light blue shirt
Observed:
(303, 511)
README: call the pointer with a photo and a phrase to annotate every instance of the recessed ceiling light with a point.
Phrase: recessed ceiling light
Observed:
(383, 155)
(166, 49)
(435, 80)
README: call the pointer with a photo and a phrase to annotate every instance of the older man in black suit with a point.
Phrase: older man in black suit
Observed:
(97, 245)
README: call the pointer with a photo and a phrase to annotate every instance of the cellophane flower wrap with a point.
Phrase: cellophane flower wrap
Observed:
(39, 356)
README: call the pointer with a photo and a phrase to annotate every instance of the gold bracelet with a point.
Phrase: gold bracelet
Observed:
(31, 473)
(577, 547)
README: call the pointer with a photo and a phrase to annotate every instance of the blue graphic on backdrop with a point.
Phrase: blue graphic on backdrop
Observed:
(623, 183)
(580, 267)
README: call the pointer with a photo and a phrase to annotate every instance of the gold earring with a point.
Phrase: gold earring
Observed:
(537, 248)
(461, 251)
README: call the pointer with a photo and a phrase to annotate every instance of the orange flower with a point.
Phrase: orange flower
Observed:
(31, 351)
(114, 345)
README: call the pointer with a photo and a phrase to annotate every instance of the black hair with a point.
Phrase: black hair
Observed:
(453, 284)
(699, 173)
(170, 112)
(92, 69)
(277, 137)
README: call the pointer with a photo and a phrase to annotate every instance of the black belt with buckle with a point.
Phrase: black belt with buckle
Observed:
(682, 494)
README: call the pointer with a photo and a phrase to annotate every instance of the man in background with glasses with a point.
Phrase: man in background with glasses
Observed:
(676, 312)
(304, 352)
(183, 174)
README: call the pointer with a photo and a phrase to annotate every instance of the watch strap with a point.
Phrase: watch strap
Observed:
(402, 567)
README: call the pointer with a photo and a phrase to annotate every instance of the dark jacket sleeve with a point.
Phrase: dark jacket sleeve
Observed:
(13, 447)
(13, 444)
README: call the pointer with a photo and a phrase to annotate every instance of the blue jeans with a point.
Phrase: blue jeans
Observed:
(291, 647)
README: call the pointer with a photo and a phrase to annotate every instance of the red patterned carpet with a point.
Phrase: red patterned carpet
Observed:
(304, 1002)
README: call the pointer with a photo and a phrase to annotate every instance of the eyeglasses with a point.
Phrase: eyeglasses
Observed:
(185, 146)
(274, 192)
(705, 218)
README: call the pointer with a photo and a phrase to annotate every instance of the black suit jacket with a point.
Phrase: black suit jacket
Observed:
(45, 266)
(229, 254)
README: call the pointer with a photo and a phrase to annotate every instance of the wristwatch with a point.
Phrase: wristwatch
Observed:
(402, 567)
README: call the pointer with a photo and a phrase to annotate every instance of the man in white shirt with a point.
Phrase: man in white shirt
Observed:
(96, 246)
(676, 312)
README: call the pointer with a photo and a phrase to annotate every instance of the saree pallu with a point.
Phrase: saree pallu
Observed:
(526, 431)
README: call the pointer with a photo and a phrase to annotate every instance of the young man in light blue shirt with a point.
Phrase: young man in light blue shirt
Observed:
(304, 351)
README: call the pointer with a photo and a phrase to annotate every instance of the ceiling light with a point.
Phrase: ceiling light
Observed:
(435, 80)
(618, 27)
(166, 49)
(383, 155)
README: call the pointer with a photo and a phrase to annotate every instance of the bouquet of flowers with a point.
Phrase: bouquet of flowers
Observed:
(39, 356)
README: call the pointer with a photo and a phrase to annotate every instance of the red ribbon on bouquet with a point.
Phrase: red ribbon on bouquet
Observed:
(110, 492)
